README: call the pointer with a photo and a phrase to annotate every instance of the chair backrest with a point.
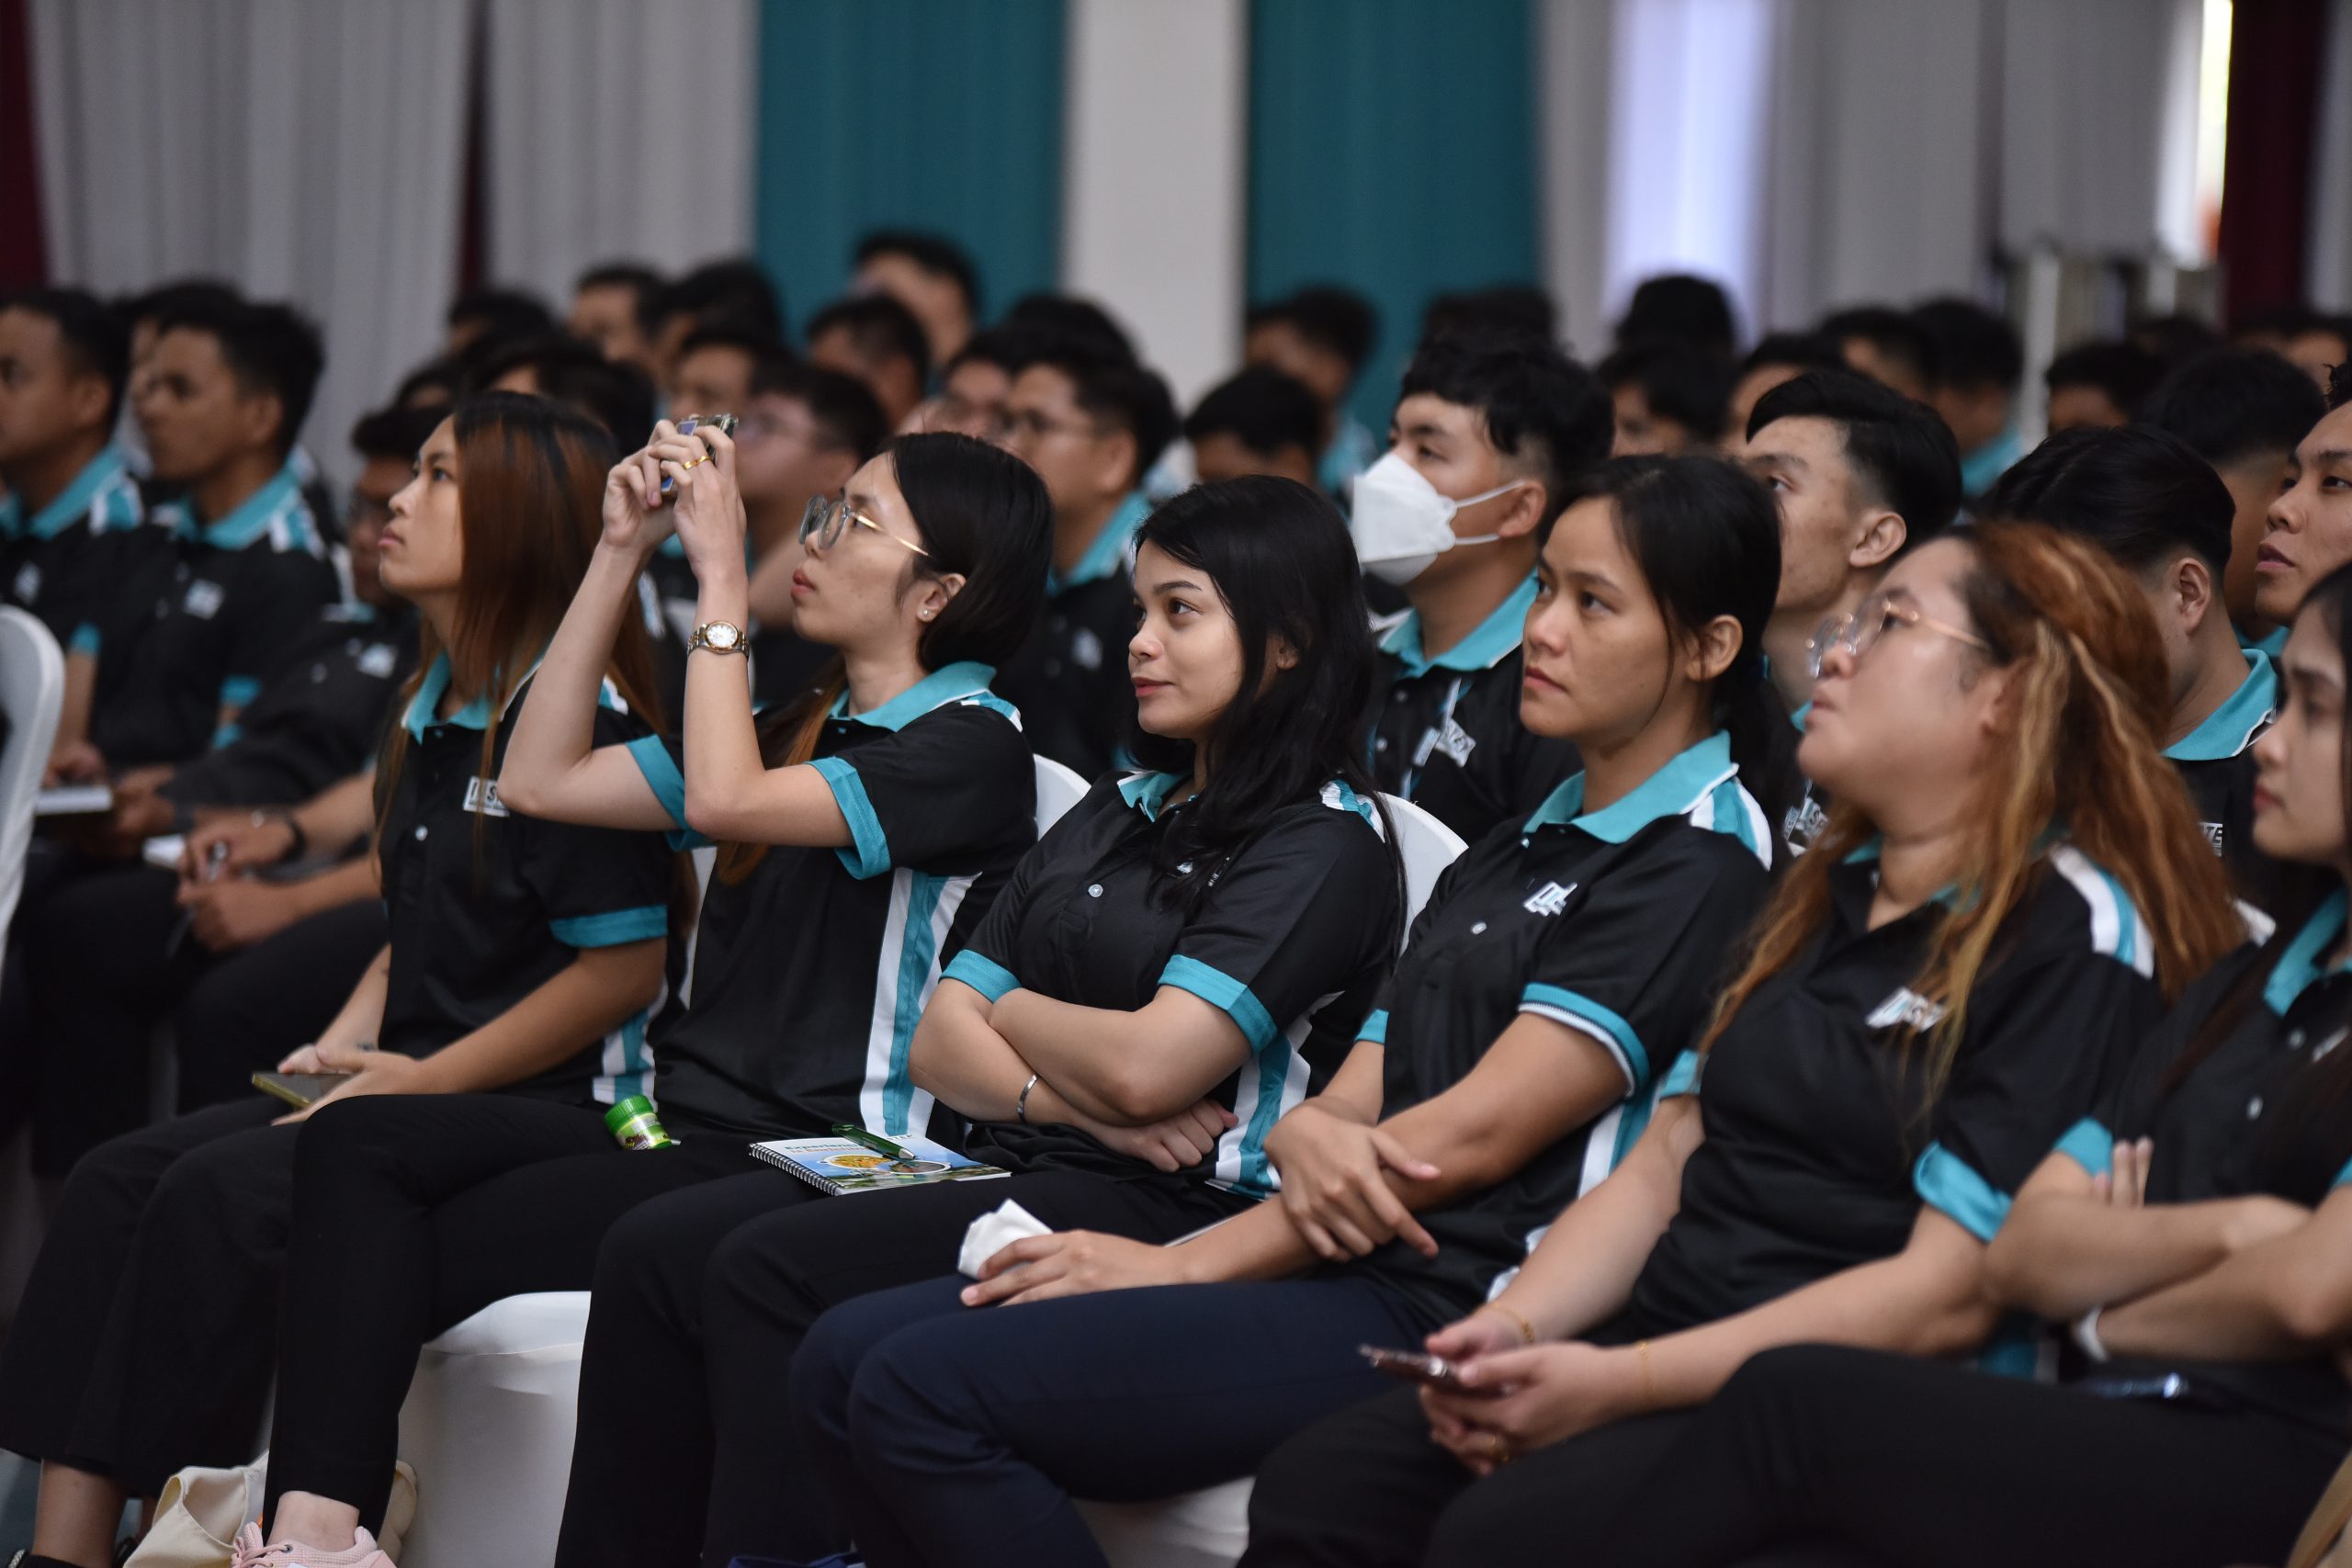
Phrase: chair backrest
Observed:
(1058, 789)
(1426, 845)
(32, 690)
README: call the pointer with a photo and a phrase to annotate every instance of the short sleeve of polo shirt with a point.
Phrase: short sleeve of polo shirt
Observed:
(660, 757)
(934, 796)
(282, 594)
(2043, 1052)
(601, 887)
(2129, 1100)
(1634, 965)
(1289, 920)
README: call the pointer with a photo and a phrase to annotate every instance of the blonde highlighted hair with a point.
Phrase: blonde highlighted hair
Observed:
(2082, 756)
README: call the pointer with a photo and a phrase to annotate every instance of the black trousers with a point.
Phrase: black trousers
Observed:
(684, 1439)
(101, 970)
(1366, 1488)
(144, 1341)
(1931, 1466)
(413, 1213)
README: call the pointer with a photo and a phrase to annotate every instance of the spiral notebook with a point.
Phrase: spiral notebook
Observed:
(843, 1164)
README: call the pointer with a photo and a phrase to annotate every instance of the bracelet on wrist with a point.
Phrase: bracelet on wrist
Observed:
(1526, 1329)
(1021, 1106)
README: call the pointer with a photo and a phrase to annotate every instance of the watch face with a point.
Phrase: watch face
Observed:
(718, 634)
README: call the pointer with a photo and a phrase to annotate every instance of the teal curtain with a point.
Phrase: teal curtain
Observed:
(1392, 149)
(941, 115)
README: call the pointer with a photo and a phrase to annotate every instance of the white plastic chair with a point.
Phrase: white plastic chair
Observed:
(1058, 789)
(1208, 1529)
(32, 692)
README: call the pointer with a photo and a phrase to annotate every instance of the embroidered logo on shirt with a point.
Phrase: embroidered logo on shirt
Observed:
(378, 660)
(1550, 899)
(28, 587)
(204, 599)
(1908, 1007)
(2213, 832)
(1456, 741)
(1086, 650)
(481, 794)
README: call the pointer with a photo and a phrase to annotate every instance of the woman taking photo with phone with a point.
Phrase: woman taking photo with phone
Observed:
(522, 958)
(2008, 890)
(866, 827)
(1179, 960)
(1557, 961)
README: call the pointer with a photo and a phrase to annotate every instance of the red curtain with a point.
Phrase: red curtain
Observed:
(2275, 50)
(23, 251)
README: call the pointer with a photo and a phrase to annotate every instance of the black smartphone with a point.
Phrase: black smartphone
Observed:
(298, 1090)
(1419, 1366)
(692, 422)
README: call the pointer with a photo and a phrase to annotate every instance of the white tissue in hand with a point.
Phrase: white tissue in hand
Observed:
(995, 1230)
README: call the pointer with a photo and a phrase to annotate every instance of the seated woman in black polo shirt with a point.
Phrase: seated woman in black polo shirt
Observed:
(522, 956)
(1509, 1063)
(1936, 991)
(869, 826)
(2196, 1230)
(1179, 960)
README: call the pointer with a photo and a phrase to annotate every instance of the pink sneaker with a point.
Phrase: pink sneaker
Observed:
(250, 1552)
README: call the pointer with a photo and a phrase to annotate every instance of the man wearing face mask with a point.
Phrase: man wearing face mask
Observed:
(1488, 433)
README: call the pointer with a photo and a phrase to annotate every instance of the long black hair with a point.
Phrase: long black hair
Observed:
(983, 514)
(1280, 559)
(2325, 1089)
(1707, 538)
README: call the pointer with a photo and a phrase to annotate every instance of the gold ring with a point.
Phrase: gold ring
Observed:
(698, 463)
(1498, 1449)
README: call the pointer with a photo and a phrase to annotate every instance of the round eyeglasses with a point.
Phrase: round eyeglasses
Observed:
(825, 521)
(1857, 631)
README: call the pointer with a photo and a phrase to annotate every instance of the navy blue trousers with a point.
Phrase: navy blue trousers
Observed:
(952, 1435)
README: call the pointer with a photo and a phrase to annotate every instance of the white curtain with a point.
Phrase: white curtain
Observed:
(1576, 54)
(303, 149)
(2330, 236)
(618, 130)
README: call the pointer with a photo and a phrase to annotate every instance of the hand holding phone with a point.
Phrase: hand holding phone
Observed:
(722, 423)
(1419, 1367)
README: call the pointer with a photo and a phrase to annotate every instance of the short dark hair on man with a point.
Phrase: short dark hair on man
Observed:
(269, 348)
(97, 337)
(841, 406)
(737, 288)
(164, 299)
(1684, 307)
(1009, 348)
(1799, 351)
(1902, 454)
(1507, 308)
(1974, 347)
(2121, 369)
(1262, 409)
(2175, 339)
(1538, 406)
(1895, 333)
(1082, 323)
(880, 327)
(1679, 380)
(616, 395)
(1119, 392)
(393, 433)
(1339, 320)
(2138, 492)
(436, 384)
(2340, 387)
(934, 254)
(636, 277)
(728, 331)
(2235, 402)
(501, 313)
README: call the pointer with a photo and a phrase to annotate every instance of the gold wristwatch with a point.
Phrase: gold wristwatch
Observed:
(718, 637)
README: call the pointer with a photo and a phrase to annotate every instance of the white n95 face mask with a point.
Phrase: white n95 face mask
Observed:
(1400, 521)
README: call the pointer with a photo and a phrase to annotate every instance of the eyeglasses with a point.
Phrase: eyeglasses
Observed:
(364, 509)
(1857, 631)
(824, 522)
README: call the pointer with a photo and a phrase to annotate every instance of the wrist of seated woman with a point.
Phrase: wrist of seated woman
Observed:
(1505, 1310)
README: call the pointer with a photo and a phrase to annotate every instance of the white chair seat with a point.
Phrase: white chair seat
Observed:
(1199, 1529)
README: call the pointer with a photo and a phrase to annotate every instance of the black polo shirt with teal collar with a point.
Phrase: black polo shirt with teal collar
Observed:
(2249, 1116)
(2216, 761)
(320, 721)
(1070, 678)
(808, 972)
(206, 624)
(66, 562)
(486, 905)
(1822, 1142)
(1616, 923)
(1445, 731)
(1290, 942)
